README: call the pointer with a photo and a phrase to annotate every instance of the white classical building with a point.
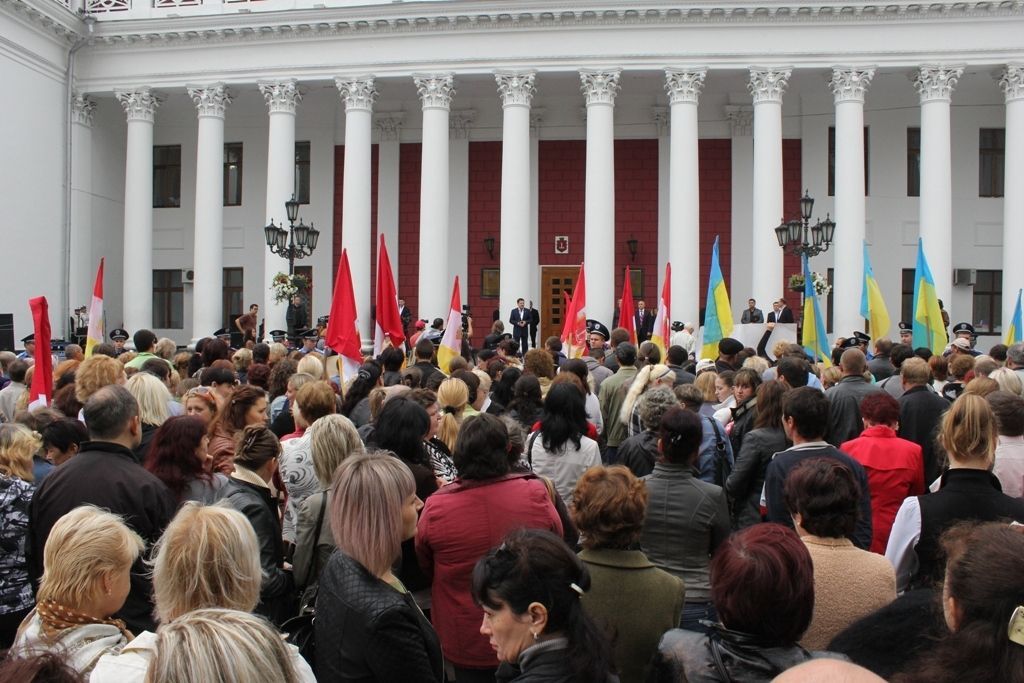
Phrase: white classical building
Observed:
(506, 144)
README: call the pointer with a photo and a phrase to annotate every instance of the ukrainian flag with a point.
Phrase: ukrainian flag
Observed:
(717, 312)
(1015, 330)
(929, 331)
(872, 305)
(814, 338)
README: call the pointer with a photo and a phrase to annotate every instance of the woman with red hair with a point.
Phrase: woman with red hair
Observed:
(895, 466)
(179, 458)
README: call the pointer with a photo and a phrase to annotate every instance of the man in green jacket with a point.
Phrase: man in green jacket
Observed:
(612, 395)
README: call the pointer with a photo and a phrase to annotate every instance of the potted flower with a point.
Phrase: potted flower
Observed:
(819, 281)
(286, 286)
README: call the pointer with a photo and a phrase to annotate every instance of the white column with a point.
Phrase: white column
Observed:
(358, 94)
(388, 159)
(435, 276)
(849, 86)
(140, 107)
(533, 234)
(516, 91)
(767, 86)
(208, 247)
(458, 197)
(683, 87)
(935, 86)
(1012, 83)
(600, 88)
(82, 273)
(662, 130)
(741, 121)
(282, 99)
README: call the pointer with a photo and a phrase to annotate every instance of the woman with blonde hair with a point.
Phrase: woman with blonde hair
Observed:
(368, 626)
(648, 376)
(95, 372)
(242, 359)
(706, 383)
(18, 444)
(86, 578)
(968, 491)
(452, 397)
(152, 396)
(221, 645)
(208, 557)
(312, 364)
(1008, 380)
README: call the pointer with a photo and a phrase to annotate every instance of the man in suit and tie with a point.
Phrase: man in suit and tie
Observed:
(534, 322)
(780, 314)
(520, 320)
(405, 315)
(644, 322)
(752, 314)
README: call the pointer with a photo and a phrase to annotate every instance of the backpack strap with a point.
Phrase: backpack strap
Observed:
(529, 448)
(719, 443)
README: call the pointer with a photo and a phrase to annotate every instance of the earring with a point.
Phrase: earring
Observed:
(534, 634)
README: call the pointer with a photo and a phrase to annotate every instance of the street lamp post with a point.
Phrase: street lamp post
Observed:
(297, 242)
(799, 237)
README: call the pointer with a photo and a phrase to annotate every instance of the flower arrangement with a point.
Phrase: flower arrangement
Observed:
(286, 286)
(821, 285)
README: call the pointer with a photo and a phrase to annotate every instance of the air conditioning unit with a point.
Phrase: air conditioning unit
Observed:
(965, 277)
(188, 276)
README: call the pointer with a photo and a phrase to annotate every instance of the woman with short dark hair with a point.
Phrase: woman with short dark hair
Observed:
(458, 525)
(849, 583)
(527, 404)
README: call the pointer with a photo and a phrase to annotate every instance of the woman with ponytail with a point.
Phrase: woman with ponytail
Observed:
(530, 588)
(649, 376)
(452, 398)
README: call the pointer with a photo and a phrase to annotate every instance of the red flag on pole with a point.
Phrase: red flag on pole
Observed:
(627, 316)
(389, 320)
(568, 319)
(574, 332)
(342, 332)
(41, 391)
(663, 320)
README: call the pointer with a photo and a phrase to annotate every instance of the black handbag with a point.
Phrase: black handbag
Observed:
(300, 630)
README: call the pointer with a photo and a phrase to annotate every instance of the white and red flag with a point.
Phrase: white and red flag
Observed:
(41, 391)
(96, 333)
(663, 320)
(451, 342)
(389, 321)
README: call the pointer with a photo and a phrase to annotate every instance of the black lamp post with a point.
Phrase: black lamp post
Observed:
(799, 237)
(297, 242)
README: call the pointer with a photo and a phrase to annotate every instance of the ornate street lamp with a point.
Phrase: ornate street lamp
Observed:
(799, 237)
(297, 242)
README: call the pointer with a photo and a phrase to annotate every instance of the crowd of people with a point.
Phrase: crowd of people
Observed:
(631, 515)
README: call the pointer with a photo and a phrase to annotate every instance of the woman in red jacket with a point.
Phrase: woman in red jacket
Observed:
(461, 522)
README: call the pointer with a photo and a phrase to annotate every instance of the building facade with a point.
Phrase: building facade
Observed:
(506, 148)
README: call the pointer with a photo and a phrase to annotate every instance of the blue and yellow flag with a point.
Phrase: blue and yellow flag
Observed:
(1015, 330)
(872, 305)
(717, 312)
(929, 331)
(814, 338)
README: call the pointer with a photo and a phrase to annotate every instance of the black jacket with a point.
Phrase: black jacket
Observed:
(277, 592)
(108, 476)
(546, 662)
(921, 411)
(743, 417)
(747, 477)
(689, 656)
(368, 631)
(639, 452)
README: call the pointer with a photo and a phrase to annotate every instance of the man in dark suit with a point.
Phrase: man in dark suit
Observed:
(534, 323)
(751, 314)
(780, 313)
(644, 322)
(405, 315)
(520, 320)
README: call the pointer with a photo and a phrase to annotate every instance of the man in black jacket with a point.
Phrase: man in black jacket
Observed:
(107, 475)
(804, 417)
(921, 411)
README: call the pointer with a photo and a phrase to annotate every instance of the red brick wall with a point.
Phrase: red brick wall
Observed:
(636, 214)
(715, 159)
(562, 168)
(484, 222)
(792, 190)
(408, 252)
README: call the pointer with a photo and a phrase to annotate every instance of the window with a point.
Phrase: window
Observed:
(233, 174)
(907, 295)
(166, 176)
(232, 302)
(991, 160)
(988, 302)
(302, 172)
(913, 162)
(832, 161)
(168, 300)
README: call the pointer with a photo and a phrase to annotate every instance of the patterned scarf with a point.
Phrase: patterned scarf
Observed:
(55, 617)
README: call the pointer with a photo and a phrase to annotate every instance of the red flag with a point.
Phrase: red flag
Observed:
(663, 320)
(342, 332)
(627, 317)
(570, 318)
(95, 333)
(389, 320)
(42, 378)
(574, 333)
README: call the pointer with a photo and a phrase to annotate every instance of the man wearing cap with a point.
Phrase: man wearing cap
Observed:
(224, 334)
(613, 394)
(683, 336)
(309, 338)
(248, 323)
(29, 354)
(597, 334)
(727, 350)
(119, 336)
(279, 336)
(963, 331)
(906, 334)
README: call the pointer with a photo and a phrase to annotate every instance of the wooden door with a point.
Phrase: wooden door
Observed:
(554, 280)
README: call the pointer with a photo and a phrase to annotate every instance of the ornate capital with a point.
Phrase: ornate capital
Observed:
(82, 109)
(389, 125)
(741, 119)
(662, 120)
(1012, 81)
(515, 89)
(458, 123)
(936, 82)
(281, 96)
(211, 100)
(600, 86)
(139, 104)
(684, 85)
(850, 84)
(767, 85)
(357, 93)
(435, 90)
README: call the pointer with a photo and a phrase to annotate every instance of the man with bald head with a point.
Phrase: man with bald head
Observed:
(844, 422)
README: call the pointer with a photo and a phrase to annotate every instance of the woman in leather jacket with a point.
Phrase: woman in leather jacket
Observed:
(767, 438)
(368, 627)
(762, 586)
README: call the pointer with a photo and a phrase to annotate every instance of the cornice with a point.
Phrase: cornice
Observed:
(51, 16)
